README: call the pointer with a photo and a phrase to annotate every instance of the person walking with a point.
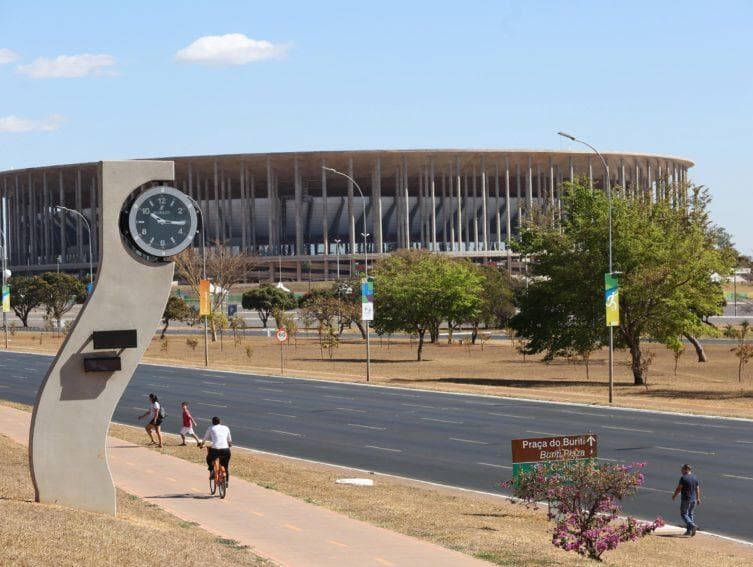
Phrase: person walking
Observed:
(156, 415)
(689, 489)
(188, 424)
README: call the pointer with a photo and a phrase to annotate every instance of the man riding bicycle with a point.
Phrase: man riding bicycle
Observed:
(219, 436)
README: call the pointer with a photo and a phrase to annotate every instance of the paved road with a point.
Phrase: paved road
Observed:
(451, 439)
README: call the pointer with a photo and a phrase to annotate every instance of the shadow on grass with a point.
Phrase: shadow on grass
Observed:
(696, 394)
(357, 360)
(508, 382)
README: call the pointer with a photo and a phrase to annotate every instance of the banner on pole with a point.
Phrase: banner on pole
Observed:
(6, 299)
(367, 300)
(612, 299)
(204, 308)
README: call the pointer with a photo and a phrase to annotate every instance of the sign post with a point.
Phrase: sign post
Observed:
(367, 315)
(282, 336)
(529, 453)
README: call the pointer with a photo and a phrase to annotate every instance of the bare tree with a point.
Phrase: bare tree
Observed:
(224, 269)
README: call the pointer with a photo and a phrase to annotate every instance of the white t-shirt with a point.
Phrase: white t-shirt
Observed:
(219, 435)
(154, 411)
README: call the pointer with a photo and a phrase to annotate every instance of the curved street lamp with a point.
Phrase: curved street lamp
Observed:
(611, 270)
(60, 209)
(365, 258)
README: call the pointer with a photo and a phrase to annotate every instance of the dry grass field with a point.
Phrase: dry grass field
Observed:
(494, 369)
(37, 534)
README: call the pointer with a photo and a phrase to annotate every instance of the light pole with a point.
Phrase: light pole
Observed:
(365, 261)
(337, 256)
(61, 208)
(203, 275)
(4, 259)
(611, 270)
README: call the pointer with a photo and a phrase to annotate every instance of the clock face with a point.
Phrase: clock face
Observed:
(162, 221)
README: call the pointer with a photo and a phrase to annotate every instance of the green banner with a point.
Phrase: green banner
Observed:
(612, 299)
(6, 299)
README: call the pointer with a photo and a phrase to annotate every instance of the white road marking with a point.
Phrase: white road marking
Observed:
(400, 395)
(261, 381)
(468, 441)
(626, 429)
(158, 385)
(211, 405)
(210, 382)
(367, 426)
(583, 413)
(685, 450)
(383, 448)
(736, 476)
(700, 424)
(746, 442)
(338, 397)
(327, 388)
(286, 432)
(212, 393)
(20, 377)
(418, 406)
(543, 433)
(482, 403)
(270, 390)
(440, 420)
(278, 401)
(1, 386)
(281, 414)
(655, 489)
(495, 466)
(353, 410)
(510, 415)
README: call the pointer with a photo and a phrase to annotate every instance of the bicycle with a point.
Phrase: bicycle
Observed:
(218, 480)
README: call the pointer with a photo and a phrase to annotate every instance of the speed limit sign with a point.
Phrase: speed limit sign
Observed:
(282, 335)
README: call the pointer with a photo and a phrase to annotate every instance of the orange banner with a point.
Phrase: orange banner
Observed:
(204, 308)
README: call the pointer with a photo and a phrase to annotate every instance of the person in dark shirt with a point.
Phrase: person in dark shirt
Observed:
(689, 489)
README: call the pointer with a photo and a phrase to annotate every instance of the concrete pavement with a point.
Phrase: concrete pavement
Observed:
(284, 529)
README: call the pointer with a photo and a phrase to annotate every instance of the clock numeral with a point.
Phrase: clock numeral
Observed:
(180, 210)
(143, 231)
(162, 243)
(180, 231)
(145, 210)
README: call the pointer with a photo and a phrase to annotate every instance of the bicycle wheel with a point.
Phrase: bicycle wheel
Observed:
(222, 483)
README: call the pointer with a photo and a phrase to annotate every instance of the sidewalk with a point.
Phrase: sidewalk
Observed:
(284, 529)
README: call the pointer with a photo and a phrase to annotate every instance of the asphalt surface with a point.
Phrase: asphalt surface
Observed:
(445, 438)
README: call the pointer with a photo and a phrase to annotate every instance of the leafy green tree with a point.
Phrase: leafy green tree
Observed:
(26, 294)
(497, 300)
(60, 293)
(666, 255)
(265, 299)
(415, 291)
(176, 309)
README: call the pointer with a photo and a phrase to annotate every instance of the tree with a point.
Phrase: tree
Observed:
(497, 300)
(666, 255)
(224, 269)
(265, 299)
(27, 293)
(415, 291)
(584, 502)
(176, 309)
(60, 293)
(743, 351)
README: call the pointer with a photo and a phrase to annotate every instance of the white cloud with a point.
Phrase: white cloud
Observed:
(16, 124)
(230, 49)
(7, 56)
(69, 66)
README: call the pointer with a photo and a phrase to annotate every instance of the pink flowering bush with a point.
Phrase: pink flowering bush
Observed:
(583, 500)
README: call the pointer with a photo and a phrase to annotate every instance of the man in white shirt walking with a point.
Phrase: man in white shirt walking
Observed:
(219, 436)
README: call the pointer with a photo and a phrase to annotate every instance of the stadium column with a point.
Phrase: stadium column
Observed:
(484, 208)
(33, 224)
(498, 214)
(45, 219)
(61, 218)
(590, 175)
(376, 193)
(351, 214)
(215, 178)
(452, 208)
(529, 185)
(406, 193)
(421, 227)
(458, 192)
(298, 207)
(325, 220)
(93, 219)
(467, 216)
(243, 207)
(508, 204)
(650, 179)
(271, 212)
(433, 202)
(622, 174)
(518, 196)
(443, 208)
(476, 242)
(79, 227)
(252, 211)
(551, 185)
(18, 214)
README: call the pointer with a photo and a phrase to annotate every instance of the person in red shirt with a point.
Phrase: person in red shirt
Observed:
(188, 424)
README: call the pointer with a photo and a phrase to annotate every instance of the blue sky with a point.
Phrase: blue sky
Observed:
(671, 78)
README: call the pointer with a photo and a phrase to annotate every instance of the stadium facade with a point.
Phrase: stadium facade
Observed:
(287, 206)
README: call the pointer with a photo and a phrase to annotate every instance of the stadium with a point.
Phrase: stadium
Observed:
(296, 216)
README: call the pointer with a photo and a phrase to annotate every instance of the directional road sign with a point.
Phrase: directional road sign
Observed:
(527, 453)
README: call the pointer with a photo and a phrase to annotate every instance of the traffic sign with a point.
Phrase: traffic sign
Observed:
(282, 335)
(527, 453)
(232, 309)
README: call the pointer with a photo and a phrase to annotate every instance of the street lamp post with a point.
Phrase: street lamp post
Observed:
(4, 268)
(611, 270)
(337, 256)
(365, 260)
(61, 208)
